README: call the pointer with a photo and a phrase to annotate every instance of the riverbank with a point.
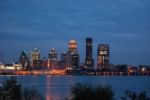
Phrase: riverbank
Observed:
(64, 72)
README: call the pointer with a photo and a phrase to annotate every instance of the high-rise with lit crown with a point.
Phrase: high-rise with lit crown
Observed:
(72, 46)
(89, 62)
(103, 56)
(72, 55)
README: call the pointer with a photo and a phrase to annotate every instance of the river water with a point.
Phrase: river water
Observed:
(58, 87)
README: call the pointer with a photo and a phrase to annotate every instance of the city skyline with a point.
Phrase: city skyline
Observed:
(124, 25)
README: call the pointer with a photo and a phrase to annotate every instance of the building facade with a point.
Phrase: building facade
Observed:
(72, 55)
(52, 59)
(103, 56)
(24, 60)
(63, 59)
(89, 62)
(52, 54)
(35, 58)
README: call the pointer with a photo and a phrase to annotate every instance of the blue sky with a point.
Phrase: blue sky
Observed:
(44, 24)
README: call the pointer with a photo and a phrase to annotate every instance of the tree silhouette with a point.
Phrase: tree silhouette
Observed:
(130, 95)
(88, 92)
(11, 90)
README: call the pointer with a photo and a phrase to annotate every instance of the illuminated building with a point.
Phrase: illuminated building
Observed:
(52, 58)
(53, 54)
(63, 59)
(35, 58)
(103, 56)
(11, 67)
(73, 46)
(24, 60)
(1, 66)
(72, 55)
(89, 62)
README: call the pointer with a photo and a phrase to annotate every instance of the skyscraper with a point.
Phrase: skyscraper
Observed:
(103, 56)
(35, 58)
(89, 62)
(52, 58)
(63, 59)
(24, 60)
(72, 55)
(53, 54)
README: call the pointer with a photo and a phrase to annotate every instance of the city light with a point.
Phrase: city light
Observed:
(69, 63)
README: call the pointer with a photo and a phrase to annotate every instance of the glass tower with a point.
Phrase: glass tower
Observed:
(89, 62)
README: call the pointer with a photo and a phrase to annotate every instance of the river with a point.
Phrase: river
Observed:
(58, 87)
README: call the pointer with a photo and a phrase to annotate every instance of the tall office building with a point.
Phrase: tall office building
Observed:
(24, 60)
(52, 58)
(103, 56)
(63, 59)
(53, 54)
(72, 55)
(89, 62)
(35, 58)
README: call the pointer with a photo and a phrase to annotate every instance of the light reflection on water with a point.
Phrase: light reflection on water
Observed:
(58, 87)
(49, 95)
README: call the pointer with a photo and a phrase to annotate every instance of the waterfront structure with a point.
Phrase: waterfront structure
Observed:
(89, 62)
(24, 60)
(103, 56)
(72, 55)
(1, 65)
(35, 58)
(10, 67)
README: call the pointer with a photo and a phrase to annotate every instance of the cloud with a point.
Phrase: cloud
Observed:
(38, 22)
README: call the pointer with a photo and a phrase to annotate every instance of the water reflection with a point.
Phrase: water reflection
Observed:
(48, 96)
(50, 89)
(58, 87)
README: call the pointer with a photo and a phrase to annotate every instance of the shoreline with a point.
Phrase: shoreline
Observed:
(73, 72)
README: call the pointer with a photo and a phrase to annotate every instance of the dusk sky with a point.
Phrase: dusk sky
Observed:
(46, 24)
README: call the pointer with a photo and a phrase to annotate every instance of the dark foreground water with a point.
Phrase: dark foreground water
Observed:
(58, 87)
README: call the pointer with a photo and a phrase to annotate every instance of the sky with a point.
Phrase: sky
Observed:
(46, 24)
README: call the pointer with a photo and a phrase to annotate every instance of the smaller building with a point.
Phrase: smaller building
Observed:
(144, 69)
(1, 66)
(11, 67)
